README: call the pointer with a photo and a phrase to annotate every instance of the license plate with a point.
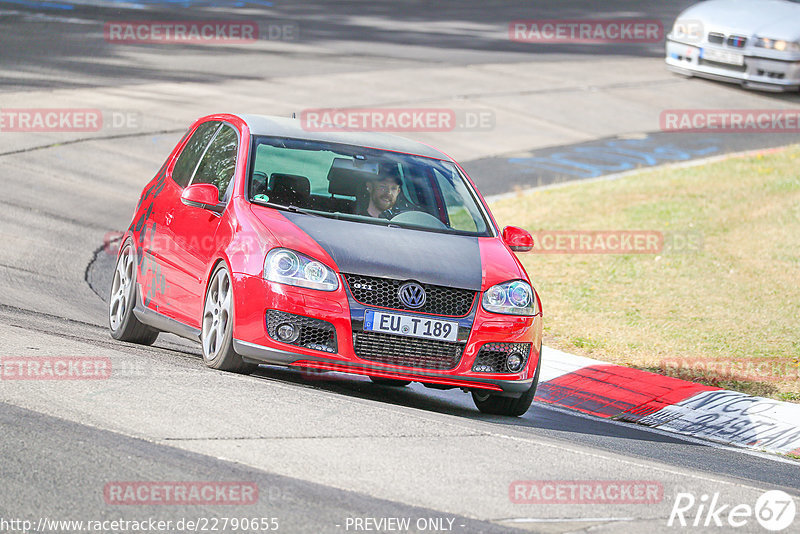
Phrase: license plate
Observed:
(410, 325)
(722, 56)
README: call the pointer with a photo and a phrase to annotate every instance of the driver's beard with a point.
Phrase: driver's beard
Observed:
(383, 203)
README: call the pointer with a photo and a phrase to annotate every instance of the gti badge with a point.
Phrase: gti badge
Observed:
(412, 295)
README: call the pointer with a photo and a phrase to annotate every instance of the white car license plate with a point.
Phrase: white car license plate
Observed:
(410, 325)
(722, 56)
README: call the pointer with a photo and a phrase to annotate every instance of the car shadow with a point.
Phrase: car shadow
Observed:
(561, 428)
(541, 416)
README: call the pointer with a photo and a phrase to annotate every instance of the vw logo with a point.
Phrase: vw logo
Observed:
(412, 295)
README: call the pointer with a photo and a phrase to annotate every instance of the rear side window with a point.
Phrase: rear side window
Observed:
(192, 152)
(219, 163)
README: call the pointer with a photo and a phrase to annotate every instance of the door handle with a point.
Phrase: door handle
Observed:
(168, 218)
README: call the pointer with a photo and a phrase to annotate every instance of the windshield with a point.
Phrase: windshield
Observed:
(366, 185)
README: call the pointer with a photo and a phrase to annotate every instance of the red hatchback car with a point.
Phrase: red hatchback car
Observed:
(353, 252)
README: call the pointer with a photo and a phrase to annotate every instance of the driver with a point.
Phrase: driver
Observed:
(383, 192)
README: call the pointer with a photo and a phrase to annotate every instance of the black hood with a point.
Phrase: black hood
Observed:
(392, 252)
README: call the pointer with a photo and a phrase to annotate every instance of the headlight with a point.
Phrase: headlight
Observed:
(511, 298)
(777, 44)
(289, 267)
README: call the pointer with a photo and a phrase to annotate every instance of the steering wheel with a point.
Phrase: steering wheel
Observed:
(419, 218)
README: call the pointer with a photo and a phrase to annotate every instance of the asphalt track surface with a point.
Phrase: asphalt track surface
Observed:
(323, 448)
(354, 34)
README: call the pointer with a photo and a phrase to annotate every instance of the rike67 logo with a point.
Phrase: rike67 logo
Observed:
(774, 510)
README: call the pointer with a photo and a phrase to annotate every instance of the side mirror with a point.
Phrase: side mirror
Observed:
(205, 196)
(517, 239)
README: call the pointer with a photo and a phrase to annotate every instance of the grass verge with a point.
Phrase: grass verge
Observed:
(719, 303)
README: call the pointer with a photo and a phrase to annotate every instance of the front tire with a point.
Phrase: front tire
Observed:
(122, 322)
(511, 406)
(216, 335)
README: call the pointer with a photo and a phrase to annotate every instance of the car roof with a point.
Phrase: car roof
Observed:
(293, 128)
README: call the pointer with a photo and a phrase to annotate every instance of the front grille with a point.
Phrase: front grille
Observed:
(737, 41)
(383, 293)
(315, 334)
(492, 356)
(733, 41)
(407, 351)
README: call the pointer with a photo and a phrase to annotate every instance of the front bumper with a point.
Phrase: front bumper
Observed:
(255, 297)
(767, 74)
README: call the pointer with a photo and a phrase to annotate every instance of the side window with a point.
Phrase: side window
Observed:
(219, 163)
(463, 213)
(191, 153)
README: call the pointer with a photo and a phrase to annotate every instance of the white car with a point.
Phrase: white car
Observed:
(752, 42)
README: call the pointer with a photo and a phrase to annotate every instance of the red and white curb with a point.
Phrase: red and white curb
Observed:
(625, 394)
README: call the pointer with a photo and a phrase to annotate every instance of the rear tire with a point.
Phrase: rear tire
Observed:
(511, 406)
(389, 382)
(122, 322)
(216, 334)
